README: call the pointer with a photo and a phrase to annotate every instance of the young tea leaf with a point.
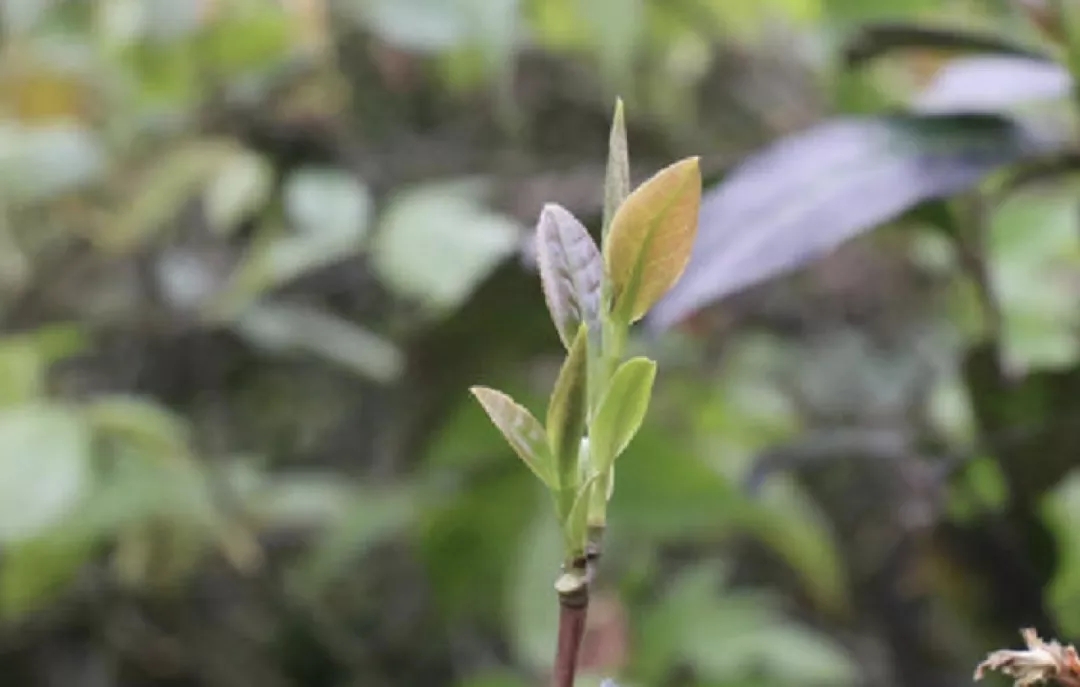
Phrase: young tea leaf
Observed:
(651, 236)
(44, 468)
(571, 271)
(575, 527)
(566, 412)
(523, 432)
(621, 411)
(617, 181)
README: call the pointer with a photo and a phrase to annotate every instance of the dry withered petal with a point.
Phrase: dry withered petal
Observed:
(1040, 662)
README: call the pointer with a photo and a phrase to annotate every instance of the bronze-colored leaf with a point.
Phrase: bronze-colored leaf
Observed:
(651, 237)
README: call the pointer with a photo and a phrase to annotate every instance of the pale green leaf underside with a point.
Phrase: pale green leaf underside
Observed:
(522, 431)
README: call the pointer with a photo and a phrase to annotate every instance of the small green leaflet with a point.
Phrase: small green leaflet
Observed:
(523, 432)
(621, 411)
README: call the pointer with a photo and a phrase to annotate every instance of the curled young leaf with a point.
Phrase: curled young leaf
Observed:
(651, 236)
(575, 527)
(617, 180)
(571, 271)
(621, 411)
(566, 412)
(522, 431)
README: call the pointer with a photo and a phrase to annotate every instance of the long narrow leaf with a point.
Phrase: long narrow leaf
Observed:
(617, 179)
(567, 411)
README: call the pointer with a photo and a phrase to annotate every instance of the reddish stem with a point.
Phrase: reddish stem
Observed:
(573, 609)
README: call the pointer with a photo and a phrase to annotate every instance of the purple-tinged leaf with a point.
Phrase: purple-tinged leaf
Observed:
(991, 83)
(806, 194)
(571, 271)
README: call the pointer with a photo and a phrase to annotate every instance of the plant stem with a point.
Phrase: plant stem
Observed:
(573, 611)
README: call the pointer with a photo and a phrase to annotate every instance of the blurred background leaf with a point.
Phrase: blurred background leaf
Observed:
(253, 253)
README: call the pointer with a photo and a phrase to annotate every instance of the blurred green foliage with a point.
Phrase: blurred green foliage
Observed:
(252, 253)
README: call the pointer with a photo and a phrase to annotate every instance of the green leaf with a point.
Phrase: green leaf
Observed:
(1061, 508)
(571, 273)
(239, 188)
(1033, 258)
(241, 40)
(651, 236)
(523, 432)
(33, 572)
(328, 205)
(371, 515)
(437, 243)
(22, 16)
(485, 521)
(158, 197)
(577, 520)
(329, 211)
(566, 413)
(617, 178)
(295, 499)
(276, 260)
(442, 25)
(422, 25)
(44, 467)
(617, 29)
(293, 327)
(495, 678)
(143, 423)
(22, 372)
(787, 520)
(621, 411)
(730, 637)
(42, 161)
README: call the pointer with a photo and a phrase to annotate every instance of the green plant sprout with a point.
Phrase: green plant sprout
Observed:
(599, 401)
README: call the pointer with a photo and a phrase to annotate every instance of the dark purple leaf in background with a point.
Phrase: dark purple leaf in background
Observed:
(990, 83)
(805, 195)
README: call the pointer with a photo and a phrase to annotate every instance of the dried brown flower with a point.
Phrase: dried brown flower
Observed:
(1040, 662)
